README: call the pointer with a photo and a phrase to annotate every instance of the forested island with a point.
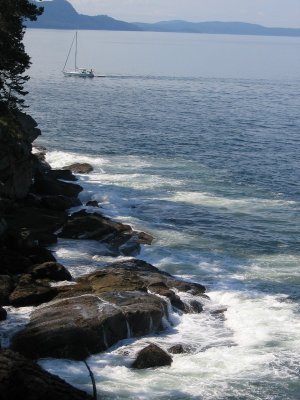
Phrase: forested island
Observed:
(60, 14)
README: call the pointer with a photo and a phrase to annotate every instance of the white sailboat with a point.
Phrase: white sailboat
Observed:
(81, 72)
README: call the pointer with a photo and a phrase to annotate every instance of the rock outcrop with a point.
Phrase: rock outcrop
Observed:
(103, 307)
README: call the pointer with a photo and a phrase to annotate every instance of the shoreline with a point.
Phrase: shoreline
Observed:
(150, 295)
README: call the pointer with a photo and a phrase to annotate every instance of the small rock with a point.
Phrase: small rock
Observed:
(152, 356)
(145, 238)
(80, 168)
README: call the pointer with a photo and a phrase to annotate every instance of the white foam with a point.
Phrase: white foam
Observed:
(239, 204)
(16, 319)
(60, 159)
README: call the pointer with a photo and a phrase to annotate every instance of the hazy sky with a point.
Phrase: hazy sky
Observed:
(284, 13)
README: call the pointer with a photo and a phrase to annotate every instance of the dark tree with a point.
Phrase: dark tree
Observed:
(13, 59)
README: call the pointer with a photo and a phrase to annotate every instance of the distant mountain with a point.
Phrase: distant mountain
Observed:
(215, 27)
(59, 14)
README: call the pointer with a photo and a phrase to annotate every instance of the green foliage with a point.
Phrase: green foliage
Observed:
(13, 59)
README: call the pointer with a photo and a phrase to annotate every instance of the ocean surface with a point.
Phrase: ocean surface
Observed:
(194, 139)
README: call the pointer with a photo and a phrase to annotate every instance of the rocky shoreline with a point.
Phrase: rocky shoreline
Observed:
(121, 300)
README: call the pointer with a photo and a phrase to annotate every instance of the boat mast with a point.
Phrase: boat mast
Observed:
(69, 53)
(76, 53)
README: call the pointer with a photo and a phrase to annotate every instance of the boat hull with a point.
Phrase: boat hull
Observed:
(80, 74)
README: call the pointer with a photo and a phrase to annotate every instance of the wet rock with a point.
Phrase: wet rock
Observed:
(6, 287)
(162, 289)
(94, 226)
(45, 185)
(3, 314)
(72, 328)
(23, 379)
(31, 293)
(145, 238)
(86, 323)
(152, 356)
(52, 271)
(83, 225)
(79, 168)
(64, 174)
(86, 226)
(195, 307)
(59, 203)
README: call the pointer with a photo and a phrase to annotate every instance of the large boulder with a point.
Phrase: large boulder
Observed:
(79, 326)
(79, 168)
(23, 379)
(152, 356)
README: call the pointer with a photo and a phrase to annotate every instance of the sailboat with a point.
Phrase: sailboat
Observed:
(81, 72)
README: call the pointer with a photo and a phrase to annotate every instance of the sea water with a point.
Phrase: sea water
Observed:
(195, 140)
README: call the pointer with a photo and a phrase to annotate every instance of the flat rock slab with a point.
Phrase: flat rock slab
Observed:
(22, 379)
